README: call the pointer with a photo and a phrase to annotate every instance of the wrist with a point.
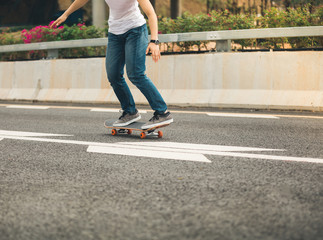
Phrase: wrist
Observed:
(155, 41)
(66, 14)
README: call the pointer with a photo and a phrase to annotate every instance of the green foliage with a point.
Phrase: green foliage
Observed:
(79, 31)
(45, 33)
(9, 38)
(206, 22)
(299, 17)
(214, 21)
(224, 20)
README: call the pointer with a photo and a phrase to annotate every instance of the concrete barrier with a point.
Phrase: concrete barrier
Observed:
(266, 80)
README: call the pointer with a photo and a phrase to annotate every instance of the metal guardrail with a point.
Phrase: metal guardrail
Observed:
(222, 38)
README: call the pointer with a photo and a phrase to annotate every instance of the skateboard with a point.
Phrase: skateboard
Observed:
(136, 126)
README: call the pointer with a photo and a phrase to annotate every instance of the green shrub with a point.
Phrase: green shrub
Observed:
(299, 17)
(45, 33)
(214, 21)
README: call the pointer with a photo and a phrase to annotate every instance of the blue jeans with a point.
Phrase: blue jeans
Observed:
(130, 49)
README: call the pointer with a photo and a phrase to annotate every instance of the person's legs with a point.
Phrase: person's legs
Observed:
(130, 49)
(115, 62)
(135, 58)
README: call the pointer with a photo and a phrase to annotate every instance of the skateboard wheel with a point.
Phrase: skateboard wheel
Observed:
(160, 134)
(129, 131)
(114, 132)
(142, 135)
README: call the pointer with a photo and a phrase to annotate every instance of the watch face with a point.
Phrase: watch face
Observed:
(154, 41)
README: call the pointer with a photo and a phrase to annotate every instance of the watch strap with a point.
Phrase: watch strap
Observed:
(155, 41)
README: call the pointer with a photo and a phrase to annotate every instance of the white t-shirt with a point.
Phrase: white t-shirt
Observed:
(124, 15)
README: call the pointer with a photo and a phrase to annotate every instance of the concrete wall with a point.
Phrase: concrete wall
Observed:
(283, 80)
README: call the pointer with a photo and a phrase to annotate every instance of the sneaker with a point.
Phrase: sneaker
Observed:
(158, 119)
(126, 119)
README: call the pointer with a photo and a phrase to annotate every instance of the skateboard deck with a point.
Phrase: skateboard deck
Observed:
(136, 126)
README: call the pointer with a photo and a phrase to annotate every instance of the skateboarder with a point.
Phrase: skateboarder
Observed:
(128, 45)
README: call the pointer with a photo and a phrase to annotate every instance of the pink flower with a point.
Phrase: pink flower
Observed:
(61, 27)
(50, 24)
(81, 24)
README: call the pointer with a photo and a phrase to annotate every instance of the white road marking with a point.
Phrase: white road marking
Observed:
(201, 148)
(28, 107)
(5, 134)
(149, 153)
(242, 115)
(271, 157)
(177, 151)
(177, 111)
(119, 148)
(104, 110)
(113, 110)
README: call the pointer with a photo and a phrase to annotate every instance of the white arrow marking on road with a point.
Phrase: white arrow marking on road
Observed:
(142, 152)
(164, 150)
(202, 148)
(171, 148)
(120, 149)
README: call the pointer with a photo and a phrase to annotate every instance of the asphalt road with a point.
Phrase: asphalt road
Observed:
(215, 174)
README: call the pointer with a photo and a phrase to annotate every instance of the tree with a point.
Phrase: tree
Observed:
(19, 12)
(153, 2)
(175, 8)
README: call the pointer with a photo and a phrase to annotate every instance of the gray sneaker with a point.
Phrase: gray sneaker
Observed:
(158, 119)
(126, 119)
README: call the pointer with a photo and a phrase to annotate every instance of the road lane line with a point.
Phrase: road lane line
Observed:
(173, 111)
(30, 134)
(272, 157)
(242, 115)
(112, 110)
(28, 107)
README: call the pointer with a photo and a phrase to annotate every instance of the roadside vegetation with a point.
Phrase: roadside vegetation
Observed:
(212, 21)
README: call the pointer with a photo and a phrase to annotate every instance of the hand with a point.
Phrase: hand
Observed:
(154, 49)
(58, 21)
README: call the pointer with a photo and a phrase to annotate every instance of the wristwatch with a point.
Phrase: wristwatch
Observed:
(155, 41)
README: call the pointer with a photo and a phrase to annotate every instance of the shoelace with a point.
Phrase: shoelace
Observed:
(155, 117)
(123, 114)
